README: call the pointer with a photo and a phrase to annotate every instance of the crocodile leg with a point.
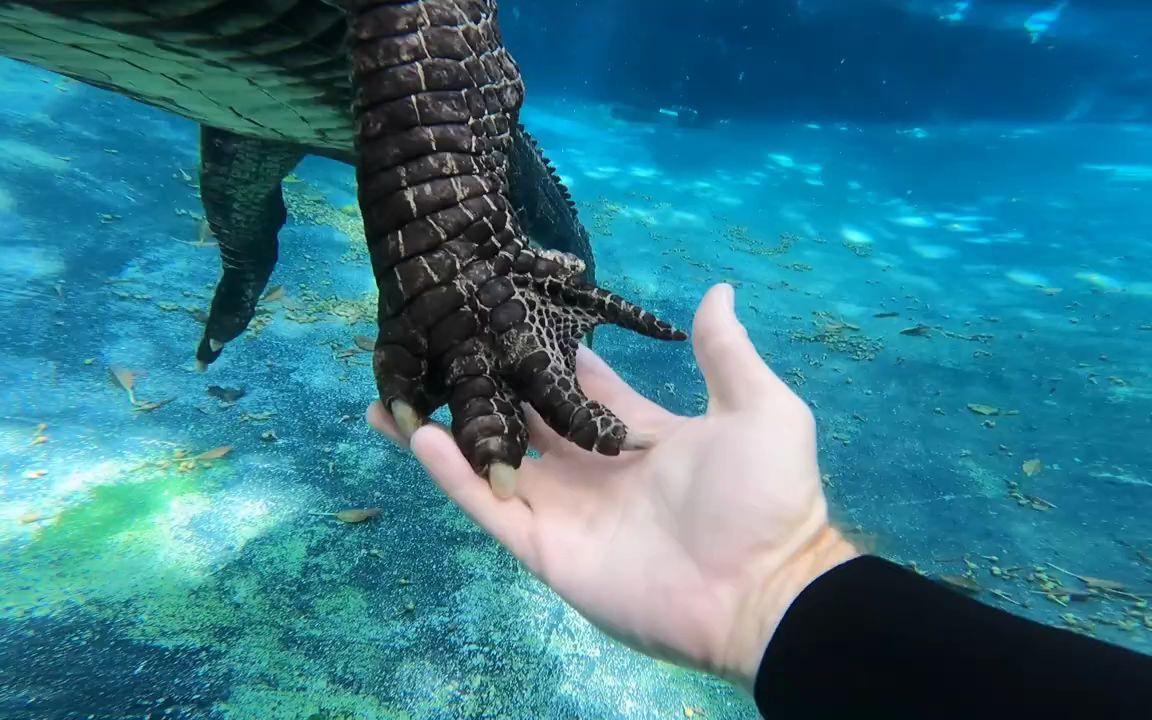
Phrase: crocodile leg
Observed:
(469, 315)
(243, 203)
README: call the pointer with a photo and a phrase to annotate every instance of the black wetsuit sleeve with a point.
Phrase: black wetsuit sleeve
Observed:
(871, 639)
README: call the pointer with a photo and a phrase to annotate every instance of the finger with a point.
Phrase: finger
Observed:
(385, 423)
(601, 383)
(508, 521)
(735, 375)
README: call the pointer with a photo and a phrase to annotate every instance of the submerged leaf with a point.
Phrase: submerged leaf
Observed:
(1102, 583)
(917, 330)
(980, 409)
(215, 453)
(150, 405)
(1032, 467)
(274, 294)
(124, 377)
(226, 394)
(365, 343)
(889, 314)
(356, 515)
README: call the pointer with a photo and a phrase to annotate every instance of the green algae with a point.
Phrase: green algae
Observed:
(107, 545)
(115, 509)
(301, 621)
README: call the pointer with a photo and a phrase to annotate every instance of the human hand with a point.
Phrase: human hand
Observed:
(689, 551)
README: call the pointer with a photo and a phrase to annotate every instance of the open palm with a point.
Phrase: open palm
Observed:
(683, 550)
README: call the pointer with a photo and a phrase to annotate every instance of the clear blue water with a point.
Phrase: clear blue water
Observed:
(998, 195)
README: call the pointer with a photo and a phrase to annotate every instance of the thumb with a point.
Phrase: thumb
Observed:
(735, 375)
(506, 520)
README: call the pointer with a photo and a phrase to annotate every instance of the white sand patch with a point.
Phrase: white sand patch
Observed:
(683, 217)
(1099, 280)
(601, 173)
(1130, 173)
(27, 263)
(1029, 279)
(1033, 315)
(855, 236)
(17, 153)
(933, 252)
(912, 221)
(644, 173)
(782, 160)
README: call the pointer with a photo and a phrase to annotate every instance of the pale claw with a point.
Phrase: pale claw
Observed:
(407, 421)
(638, 441)
(502, 478)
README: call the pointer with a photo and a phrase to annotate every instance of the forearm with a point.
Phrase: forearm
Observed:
(870, 636)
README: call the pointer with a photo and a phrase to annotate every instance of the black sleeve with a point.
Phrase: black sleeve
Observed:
(871, 639)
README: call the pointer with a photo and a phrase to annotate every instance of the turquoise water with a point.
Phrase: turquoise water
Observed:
(968, 308)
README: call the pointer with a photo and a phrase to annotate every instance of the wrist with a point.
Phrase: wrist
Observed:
(768, 600)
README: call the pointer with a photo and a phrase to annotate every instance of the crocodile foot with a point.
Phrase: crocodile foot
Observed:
(240, 186)
(469, 314)
(503, 336)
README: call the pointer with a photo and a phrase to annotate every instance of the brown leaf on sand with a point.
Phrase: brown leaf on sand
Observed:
(355, 515)
(1102, 583)
(980, 409)
(917, 330)
(365, 343)
(126, 380)
(124, 377)
(215, 453)
(274, 294)
(1032, 467)
(150, 405)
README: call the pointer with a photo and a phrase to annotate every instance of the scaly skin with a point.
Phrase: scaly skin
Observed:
(268, 82)
(240, 186)
(469, 314)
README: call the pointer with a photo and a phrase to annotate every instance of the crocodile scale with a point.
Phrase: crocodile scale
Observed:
(469, 314)
(267, 80)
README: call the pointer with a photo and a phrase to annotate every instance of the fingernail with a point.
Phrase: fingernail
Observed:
(730, 296)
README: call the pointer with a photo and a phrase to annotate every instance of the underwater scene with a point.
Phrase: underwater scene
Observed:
(936, 217)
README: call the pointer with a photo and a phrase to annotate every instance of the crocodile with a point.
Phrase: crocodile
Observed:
(268, 83)
(470, 314)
